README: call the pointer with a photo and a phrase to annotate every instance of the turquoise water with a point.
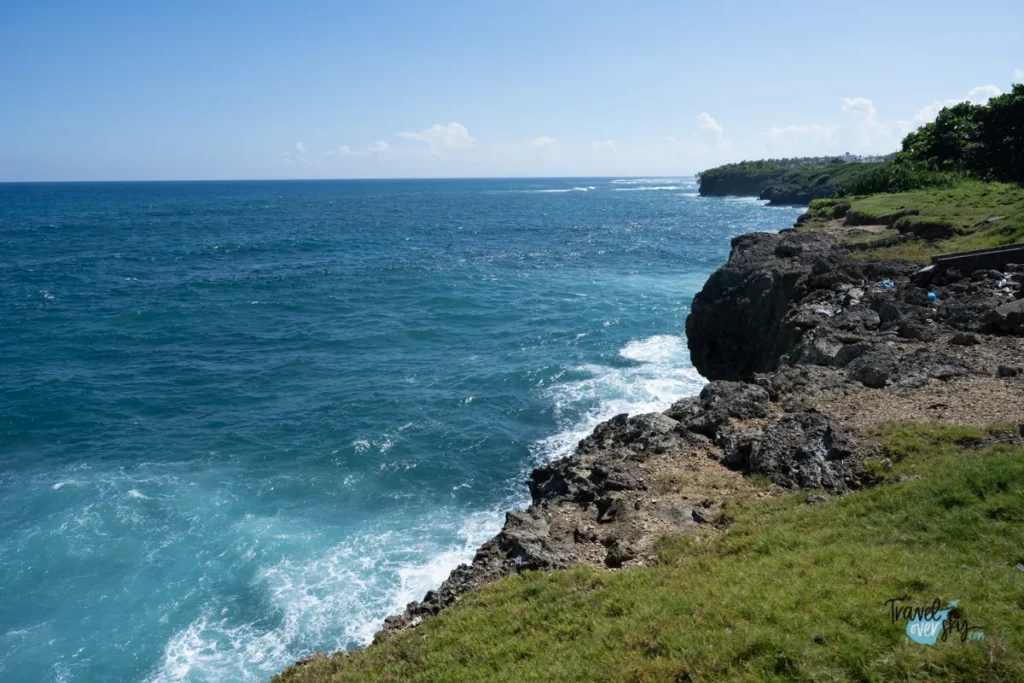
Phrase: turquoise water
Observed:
(242, 421)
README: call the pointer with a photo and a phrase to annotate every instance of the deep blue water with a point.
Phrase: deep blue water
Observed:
(242, 421)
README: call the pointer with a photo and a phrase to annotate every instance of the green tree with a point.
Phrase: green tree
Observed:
(983, 140)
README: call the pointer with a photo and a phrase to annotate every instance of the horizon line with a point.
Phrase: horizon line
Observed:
(397, 179)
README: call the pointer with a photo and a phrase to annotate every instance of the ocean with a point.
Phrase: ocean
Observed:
(243, 421)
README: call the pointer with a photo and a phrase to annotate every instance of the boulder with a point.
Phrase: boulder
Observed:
(874, 366)
(804, 450)
(849, 353)
(1008, 371)
(916, 331)
(649, 433)
(964, 339)
(819, 350)
(1008, 318)
(739, 400)
(736, 444)
(718, 402)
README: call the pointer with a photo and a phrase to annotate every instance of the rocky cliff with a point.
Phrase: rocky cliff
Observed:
(807, 354)
(736, 185)
(790, 182)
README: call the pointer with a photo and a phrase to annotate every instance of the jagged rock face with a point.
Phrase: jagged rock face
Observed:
(609, 459)
(738, 323)
(718, 402)
(798, 299)
(803, 450)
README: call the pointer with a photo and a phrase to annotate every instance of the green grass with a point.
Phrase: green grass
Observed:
(791, 591)
(965, 206)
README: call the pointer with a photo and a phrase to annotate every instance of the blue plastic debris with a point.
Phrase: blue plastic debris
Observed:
(933, 296)
(887, 284)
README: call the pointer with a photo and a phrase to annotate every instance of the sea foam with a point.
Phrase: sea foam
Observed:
(660, 374)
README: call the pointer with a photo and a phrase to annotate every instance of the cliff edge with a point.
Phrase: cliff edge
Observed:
(796, 337)
(810, 353)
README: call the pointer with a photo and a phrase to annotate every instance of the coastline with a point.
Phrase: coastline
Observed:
(805, 357)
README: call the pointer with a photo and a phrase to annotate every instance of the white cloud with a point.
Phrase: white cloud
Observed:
(800, 140)
(983, 93)
(859, 105)
(297, 157)
(378, 147)
(542, 141)
(978, 95)
(605, 145)
(928, 112)
(710, 133)
(707, 122)
(705, 143)
(861, 133)
(867, 134)
(453, 136)
(807, 132)
(1018, 75)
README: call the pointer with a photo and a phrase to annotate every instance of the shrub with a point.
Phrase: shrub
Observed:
(898, 177)
(828, 208)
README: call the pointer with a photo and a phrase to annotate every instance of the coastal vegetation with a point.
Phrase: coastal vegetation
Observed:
(954, 185)
(965, 142)
(790, 591)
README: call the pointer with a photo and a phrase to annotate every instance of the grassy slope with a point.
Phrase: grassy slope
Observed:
(964, 206)
(790, 592)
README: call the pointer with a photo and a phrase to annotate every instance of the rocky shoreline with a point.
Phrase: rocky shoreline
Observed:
(796, 336)
(808, 351)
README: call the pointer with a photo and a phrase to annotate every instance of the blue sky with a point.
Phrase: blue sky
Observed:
(217, 90)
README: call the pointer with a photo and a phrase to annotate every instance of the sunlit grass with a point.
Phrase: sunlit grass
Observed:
(966, 207)
(791, 591)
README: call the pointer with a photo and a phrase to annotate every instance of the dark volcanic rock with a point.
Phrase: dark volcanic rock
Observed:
(964, 339)
(738, 400)
(850, 352)
(736, 445)
(874, 365)
(925, 364)
(1008, 317)
(819, 349)
(619, 552)
(718, 402)
(650, 433)
(609, 459)
(913, 330)
(804, 450)
(737, 324)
